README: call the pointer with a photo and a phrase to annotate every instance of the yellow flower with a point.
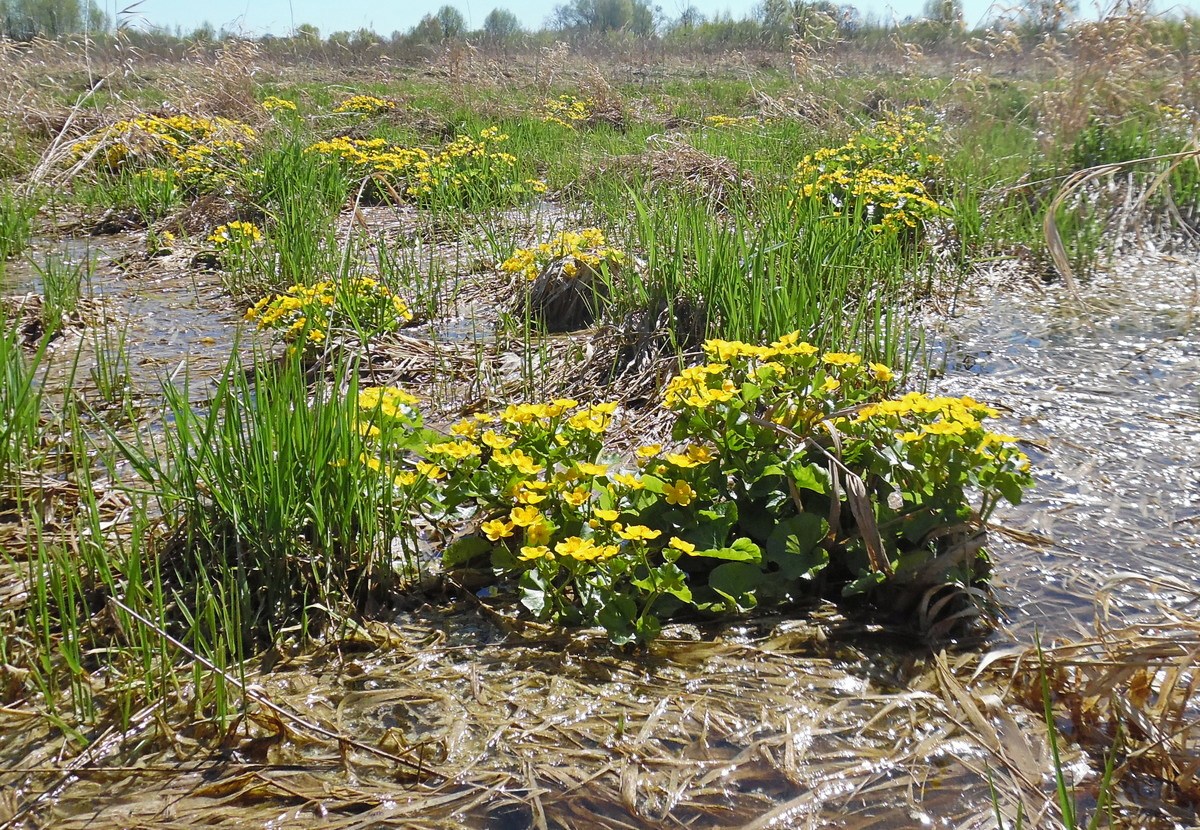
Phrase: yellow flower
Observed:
(649, 450)
(606, 515)
(841, 359)
(525, 495)
(997, 438)
(524, 464)
(630, 481)
(831, 384)
(944, 428)
(589, 469)
(497, 529)
(700, 454)
(430, 471)
(538, 533)
(791, 344)
(882, 373)
(576, 497)
(638, 533)
(680, 545)
(525, 516)
(530, 552)
(518, 459)
(466, 429)
(495, 441)
(575, 548)
(457, 450)
(680, 493)
(681, 460)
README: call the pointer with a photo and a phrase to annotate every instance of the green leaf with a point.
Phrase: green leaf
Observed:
(795, 546)
(756, 520)
(648, 628)
(1009, 488)
(618, 616)
(464, 550)
(810, 477)
(503, 559)
(737, 582)
(533, 593)
(863, 584)
(714, 526)
(534, 599)
(653, 484)
(673, 581)
(742, 550)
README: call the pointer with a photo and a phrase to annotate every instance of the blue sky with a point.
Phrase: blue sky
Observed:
(277, 16)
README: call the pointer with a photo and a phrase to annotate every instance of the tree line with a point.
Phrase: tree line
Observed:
(769, 24)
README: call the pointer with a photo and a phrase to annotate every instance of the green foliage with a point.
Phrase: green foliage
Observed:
(195, 154)
(275, 525)
(62, 287)
(25, 19)
(16, 223)
(301, 198)
(600, 16)
(767, 268)
(21, 392)
(878, 175)
(793, 472)
(470, 172)
(501, 25)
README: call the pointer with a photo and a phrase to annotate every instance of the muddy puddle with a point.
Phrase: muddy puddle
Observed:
(454, 717)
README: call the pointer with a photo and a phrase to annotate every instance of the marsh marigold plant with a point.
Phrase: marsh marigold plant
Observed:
(791, 468)
(469, 172)
(586, 249)
(878, 175)
(309, 313)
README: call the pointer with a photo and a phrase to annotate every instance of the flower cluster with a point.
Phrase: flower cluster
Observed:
(467, 172)
(586, 249)
(274, 104)
(235, 234)
(731, 120)
(365, 105)
(788, 462)
(309, 313)
(878, 174)
(201, 151)
(567, 110)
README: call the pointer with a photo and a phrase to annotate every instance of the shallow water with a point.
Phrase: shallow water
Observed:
(770, 723)
(1107, 391)
(176, 323)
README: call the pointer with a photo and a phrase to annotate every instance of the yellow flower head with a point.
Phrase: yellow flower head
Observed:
(496, 441)
(882, 373)
(497, 529)
(538, 533)
(588, 469)
(680, 545)
(525, 516)
(680, 493)
(531, 552)
(638, 533)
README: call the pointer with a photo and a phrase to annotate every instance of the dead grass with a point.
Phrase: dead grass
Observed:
(1133, 689)
(775, 723)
